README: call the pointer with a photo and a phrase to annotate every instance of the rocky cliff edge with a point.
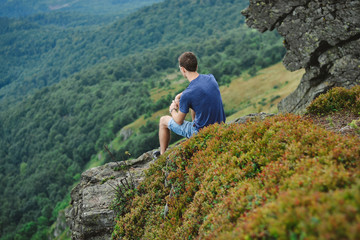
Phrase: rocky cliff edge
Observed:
(321, 36)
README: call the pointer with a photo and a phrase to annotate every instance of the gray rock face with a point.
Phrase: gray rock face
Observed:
(321, 36)
(60, 227)
(126, 133)
(89, 216)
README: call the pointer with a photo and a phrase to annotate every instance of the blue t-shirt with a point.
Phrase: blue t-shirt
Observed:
(203, 96)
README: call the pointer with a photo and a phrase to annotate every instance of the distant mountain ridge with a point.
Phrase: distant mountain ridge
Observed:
(21, 8)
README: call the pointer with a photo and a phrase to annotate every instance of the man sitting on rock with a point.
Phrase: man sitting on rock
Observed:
(202, 97)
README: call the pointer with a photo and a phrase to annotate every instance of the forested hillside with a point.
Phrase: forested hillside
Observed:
(94, 81)
(34, 56)
(35, 50)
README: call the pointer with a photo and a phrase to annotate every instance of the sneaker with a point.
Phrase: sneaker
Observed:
(156, 154)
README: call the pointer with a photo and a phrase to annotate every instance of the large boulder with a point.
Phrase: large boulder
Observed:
(90, 216)
(321, 36)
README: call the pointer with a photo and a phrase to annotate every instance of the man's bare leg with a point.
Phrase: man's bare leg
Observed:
(164, 133)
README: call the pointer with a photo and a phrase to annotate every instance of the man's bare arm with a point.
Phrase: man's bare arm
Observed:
(178, 117)
(176, 114)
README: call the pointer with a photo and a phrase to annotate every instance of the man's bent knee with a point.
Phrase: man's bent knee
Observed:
(164, 121)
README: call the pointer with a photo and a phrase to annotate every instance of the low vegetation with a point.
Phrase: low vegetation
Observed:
(281, 178)
(337, 99)
(338, 110)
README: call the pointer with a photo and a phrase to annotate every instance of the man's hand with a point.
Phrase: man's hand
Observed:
(177, 99)
(178, 116)
(173, 106)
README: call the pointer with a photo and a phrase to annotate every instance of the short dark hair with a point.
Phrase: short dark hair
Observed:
(188, 61)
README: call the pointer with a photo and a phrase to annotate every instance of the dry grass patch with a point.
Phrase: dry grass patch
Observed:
(260, 93)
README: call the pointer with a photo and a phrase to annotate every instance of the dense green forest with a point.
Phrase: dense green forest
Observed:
(35, 56)
(42, 49)
(82, 83)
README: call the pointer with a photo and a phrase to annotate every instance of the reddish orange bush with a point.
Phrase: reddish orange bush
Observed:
(282, 178)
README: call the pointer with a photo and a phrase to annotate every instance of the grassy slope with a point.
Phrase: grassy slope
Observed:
(261, 93)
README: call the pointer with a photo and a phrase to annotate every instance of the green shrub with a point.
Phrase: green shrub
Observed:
(281, 178)
(336, 99)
